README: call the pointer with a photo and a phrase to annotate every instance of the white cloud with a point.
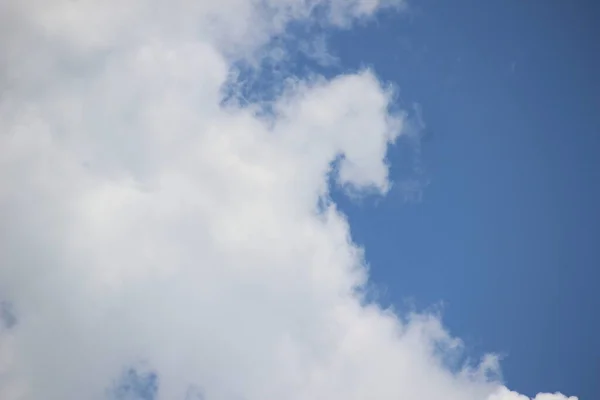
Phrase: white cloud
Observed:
(505, 394)
(144, 221)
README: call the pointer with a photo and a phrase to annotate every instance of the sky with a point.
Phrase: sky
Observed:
(505, 230)
(293, 199)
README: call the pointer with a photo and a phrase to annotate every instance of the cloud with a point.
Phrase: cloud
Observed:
(505, 394)
(158, 242)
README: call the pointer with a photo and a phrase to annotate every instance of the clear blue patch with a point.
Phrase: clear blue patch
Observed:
(8, 318)
(136, 385)
(293, 55)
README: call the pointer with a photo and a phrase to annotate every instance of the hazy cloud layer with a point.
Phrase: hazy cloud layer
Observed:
(157, 241)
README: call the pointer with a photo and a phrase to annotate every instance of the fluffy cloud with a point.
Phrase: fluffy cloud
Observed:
(505, 394)
(158, 241)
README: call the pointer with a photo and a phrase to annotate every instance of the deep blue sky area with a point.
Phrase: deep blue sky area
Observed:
(507, 232)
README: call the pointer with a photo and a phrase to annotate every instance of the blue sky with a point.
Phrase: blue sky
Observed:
(177, 224)
(506, 232)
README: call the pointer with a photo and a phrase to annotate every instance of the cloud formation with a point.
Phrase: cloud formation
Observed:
(160, 242)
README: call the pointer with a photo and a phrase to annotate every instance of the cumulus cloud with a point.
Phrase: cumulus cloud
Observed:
(160, 242)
